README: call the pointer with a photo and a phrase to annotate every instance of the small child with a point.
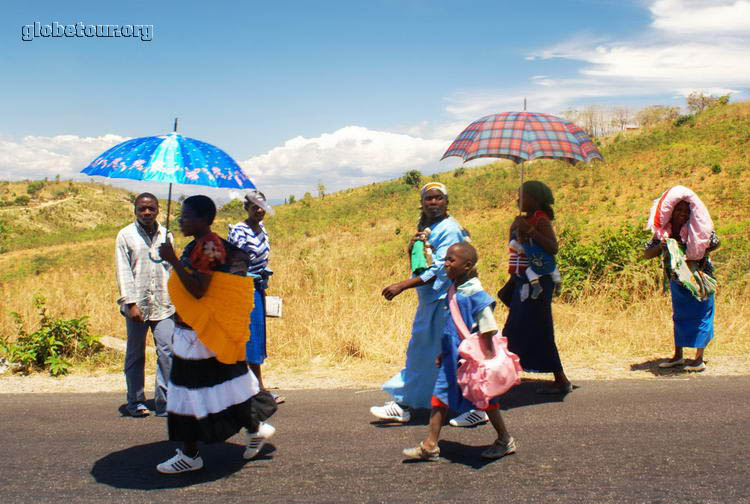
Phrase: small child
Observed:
(541, 263)
(476, 307)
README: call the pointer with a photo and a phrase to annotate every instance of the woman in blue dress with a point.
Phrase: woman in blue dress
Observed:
(412, 386)
(251, 236)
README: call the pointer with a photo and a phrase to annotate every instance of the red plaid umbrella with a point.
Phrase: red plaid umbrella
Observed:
(523, 136)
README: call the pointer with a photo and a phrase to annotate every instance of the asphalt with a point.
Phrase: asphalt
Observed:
(669, 440)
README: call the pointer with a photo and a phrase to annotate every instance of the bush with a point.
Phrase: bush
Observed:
(22, 200)
(34, 187)
(684, 119)
(413, 178)
(716, 168)
(601, 261)
(459, 171)
(49, 346)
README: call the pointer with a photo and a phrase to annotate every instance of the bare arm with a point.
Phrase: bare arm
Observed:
(488, 344)
(542, 233)
(394, 290)
(652, 252)
(197, 285)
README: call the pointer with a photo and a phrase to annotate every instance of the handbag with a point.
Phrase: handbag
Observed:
(505, 294)
(481, 379)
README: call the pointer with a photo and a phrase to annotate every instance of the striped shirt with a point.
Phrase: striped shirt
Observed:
(141, 280)
(257, 246)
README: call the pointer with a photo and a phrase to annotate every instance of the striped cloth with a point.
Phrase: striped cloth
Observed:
(207, 401)
(257, 246)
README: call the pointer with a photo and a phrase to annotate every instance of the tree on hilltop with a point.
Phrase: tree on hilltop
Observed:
(698, 102)
(413, 178)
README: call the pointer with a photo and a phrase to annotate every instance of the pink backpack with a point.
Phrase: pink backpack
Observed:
(482, 379)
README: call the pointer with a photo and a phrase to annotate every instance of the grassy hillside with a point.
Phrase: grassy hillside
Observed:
(332, 256)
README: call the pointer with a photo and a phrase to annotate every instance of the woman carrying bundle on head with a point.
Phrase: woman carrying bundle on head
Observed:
(683, 237)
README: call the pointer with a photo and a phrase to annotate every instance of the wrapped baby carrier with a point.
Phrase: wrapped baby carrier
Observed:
(479, 378)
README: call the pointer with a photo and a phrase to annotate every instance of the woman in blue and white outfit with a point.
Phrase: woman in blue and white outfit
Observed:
(251, 236)
(412, 386)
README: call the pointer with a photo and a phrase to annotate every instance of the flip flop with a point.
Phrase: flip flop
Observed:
(279, 399)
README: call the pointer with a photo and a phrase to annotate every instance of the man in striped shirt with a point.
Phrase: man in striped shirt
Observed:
(144, 301)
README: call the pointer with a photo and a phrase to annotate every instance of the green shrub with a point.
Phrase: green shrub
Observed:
(34, 187)
(413, 178)
(22, 200)
(600, 261)
(716, 168)
(234, 210)
(684, 119)
(459, 171)
(55, 341)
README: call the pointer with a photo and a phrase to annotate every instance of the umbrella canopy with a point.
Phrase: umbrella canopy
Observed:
(170, 158)
(523, 136)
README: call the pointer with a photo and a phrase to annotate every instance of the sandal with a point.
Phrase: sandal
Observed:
(422, 453)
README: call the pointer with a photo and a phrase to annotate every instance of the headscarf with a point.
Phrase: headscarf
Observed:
(542, 194)
(695, 234)
(433, 185)
(259, 199)
(422, 223)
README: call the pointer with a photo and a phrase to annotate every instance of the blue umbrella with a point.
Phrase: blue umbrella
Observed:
(171, 158)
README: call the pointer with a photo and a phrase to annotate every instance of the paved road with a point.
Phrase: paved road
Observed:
(662, 441)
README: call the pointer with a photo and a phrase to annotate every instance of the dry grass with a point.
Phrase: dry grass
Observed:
(333, 256)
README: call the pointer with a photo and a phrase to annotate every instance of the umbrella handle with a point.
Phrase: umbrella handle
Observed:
(157, 260)
(520, 192)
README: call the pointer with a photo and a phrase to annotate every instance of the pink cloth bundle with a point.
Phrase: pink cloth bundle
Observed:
(479, 378)
(696, 233)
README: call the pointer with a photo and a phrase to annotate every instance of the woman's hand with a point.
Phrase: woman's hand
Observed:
(417, 237)
(392, 290)
(166, 251)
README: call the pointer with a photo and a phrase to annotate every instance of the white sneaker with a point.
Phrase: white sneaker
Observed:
(256, 440)
(391, 411)
(471, 417)
(180, 463)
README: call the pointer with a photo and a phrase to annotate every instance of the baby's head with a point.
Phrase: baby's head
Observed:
(460, 261)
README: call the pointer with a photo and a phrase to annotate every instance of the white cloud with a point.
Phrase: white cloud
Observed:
(709, 17)
(35, 157)
(690, 46)
(348, 157)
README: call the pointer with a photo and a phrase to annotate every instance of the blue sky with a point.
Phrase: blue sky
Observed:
(343, 92)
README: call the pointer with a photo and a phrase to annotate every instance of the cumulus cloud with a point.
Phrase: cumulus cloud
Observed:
(350, 156)
(709, 17)
(35, 157)
(691, 45)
